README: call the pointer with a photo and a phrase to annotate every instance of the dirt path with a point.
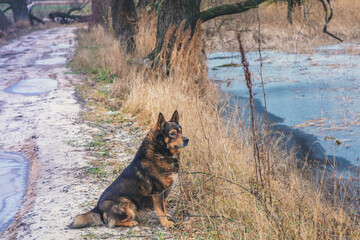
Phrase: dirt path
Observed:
(47, 130)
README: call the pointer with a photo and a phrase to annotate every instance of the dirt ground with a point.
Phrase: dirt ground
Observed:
(49, 131)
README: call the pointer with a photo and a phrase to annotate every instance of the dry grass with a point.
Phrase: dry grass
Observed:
(99, 51)
(217, 195)
(16, 30)
(146, 34)
(279, 34)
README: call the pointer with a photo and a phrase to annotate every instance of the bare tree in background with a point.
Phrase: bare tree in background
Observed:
(19, 10)
(75, 5)
(100, 11)
(124, 19)
(291, 6)
(5, 23)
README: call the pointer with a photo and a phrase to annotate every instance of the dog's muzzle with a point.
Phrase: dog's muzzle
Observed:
(184, 143)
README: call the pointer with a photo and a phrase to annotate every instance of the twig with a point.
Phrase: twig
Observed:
(300, 29)
(217, 177)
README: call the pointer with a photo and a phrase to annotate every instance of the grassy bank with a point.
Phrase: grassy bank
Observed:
(220, 195)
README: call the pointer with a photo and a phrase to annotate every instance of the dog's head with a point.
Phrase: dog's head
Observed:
(170, 133)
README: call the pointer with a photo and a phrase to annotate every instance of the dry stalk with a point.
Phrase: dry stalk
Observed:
(267, 137)
(256, 150)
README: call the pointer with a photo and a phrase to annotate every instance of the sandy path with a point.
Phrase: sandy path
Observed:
(46, 129)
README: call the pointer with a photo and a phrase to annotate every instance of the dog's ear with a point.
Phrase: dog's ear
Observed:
(175, 117)
(160, 122)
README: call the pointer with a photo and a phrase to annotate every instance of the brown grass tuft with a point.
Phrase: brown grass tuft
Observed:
(99, 51)
(145, 38)
(187, 66)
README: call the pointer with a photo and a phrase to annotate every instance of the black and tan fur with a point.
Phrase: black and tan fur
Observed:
(145, 183)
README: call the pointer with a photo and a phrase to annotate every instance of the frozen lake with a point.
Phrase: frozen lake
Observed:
(314, 94)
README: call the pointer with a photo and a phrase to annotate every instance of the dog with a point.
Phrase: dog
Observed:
(145, 183)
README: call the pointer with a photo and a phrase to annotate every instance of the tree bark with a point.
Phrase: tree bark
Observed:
(172, 13)
(123, 15)
(20, 11)
(5, 23)
(145, 3)
(100, 9)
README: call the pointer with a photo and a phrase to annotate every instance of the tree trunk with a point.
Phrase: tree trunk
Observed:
(172, 13)
(20, 10)
(291, 5)
(4, 22)
(124, 19)
(100, 9)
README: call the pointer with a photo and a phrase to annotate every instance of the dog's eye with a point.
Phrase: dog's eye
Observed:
(173, 134)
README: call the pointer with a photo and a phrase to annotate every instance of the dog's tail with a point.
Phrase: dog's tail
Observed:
(89, 219)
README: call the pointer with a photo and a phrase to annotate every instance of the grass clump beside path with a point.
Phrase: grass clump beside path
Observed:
(218, 195)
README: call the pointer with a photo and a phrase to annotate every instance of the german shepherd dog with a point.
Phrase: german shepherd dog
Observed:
(145, 183)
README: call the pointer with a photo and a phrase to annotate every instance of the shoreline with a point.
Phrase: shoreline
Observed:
(314, 93)
(309, 150)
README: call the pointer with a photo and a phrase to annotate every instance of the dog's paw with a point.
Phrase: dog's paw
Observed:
(167, 224)
(130, 223)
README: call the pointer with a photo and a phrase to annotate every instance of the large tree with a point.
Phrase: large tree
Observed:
(173, 12)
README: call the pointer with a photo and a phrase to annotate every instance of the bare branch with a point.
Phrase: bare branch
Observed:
(34, 18)
(77, 7)
(228, 9)
(6, 9)
(327, 19)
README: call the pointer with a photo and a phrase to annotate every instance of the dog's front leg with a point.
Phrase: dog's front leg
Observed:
(160, 211)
